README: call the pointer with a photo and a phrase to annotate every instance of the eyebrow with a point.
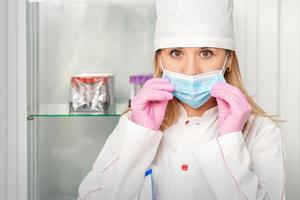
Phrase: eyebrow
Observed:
(198, 48)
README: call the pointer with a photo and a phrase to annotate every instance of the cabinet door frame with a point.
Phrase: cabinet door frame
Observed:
(13, 100)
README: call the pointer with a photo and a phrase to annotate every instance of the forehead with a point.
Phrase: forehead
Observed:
(194, 48)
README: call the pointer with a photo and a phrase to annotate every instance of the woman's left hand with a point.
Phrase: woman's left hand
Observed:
(234, 109)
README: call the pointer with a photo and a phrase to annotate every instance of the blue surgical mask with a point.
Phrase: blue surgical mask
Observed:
(194, 90)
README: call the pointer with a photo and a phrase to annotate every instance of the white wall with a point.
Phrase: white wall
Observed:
(257, 41)
(268, 40)
(13, 168)
(3, 89)
(289, 90)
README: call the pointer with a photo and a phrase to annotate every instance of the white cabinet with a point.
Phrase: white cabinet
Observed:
(68, 37)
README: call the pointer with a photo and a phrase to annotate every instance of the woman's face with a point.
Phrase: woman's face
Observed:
(193, 60)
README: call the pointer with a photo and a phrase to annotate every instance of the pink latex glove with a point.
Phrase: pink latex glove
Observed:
(234, 109)
(149, 105)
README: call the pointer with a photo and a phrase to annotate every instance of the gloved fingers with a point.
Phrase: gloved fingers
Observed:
(141, 101)
(233, 89)
(153, 95)
(234, 101)
(224, 109)
(156, 80)
(160, 109)
(159, 86)
(236, 107)
(240, 110)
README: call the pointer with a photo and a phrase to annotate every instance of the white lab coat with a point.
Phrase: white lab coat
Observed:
(235, 166)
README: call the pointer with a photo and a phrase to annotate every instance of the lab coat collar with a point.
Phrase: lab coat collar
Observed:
(207, 114)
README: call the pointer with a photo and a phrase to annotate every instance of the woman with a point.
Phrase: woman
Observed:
(192, 132)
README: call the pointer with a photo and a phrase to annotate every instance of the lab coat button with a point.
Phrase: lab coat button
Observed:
(184, 167)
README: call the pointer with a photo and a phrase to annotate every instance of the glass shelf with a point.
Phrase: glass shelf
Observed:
(62, 110)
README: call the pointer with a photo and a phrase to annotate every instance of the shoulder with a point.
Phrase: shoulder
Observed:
(126, 115)
(121, 127)
(263, 122)
(263, 129)
(125, 118)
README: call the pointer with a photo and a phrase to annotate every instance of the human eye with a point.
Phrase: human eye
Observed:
(206, 53)
(176, 53)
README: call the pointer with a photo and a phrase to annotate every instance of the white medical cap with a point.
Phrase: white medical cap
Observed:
(194, 23)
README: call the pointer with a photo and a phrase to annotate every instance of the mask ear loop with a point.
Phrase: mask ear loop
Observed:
(224, 65)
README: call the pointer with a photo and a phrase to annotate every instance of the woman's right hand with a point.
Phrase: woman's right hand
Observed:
(149, 105)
